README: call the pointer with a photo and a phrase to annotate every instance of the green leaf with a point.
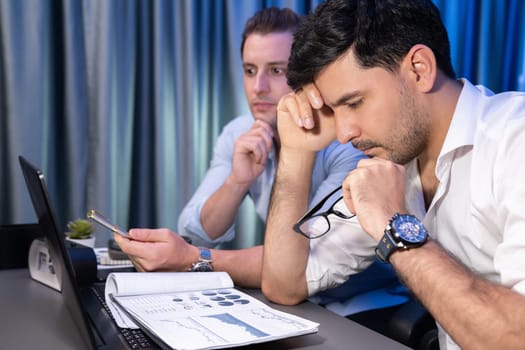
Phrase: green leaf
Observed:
(79, 228)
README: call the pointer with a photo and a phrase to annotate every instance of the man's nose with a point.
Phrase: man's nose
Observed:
(346, 129)
(262, 83)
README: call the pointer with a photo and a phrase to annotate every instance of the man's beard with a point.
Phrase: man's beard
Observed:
(409, 138)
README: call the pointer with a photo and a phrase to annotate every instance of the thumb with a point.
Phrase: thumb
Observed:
(347, 195)
(143, 235)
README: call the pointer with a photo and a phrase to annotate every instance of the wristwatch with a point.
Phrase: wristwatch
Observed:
(204, 262)
(404, 231)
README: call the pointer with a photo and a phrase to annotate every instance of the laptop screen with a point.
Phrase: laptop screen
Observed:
(57, 249)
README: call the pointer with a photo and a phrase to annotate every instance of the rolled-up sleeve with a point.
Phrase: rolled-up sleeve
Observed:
(346, 249)
(334, 257)
(189, 223)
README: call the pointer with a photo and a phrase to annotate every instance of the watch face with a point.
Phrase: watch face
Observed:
(201, 266)
(410, 229)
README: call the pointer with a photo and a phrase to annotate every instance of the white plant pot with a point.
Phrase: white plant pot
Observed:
(88, 242)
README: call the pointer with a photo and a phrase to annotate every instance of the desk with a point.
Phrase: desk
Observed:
(33, 316)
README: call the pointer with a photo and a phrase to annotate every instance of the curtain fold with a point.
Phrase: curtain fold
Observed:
(120, 102)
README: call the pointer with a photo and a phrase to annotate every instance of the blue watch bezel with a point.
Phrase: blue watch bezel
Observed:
(402, 226)
(399, 235)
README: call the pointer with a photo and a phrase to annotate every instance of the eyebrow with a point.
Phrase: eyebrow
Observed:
(342, 100)
(278, 63)
(275, 63)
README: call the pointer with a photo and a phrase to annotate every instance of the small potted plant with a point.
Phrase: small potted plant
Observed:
(81, 232)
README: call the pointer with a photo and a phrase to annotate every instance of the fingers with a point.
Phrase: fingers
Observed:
(263, 130)
(255, 146)
(263, 125)
(135, 246)
(309, 99)
(120, 240)
(258, 141)
(127, 247)
(300, 105)
(374, 191)
(314, 96)
(155, 249)
(147, 235)
(137, 264)
(347, 195)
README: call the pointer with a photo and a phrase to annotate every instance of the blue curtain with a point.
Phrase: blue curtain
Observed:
(120, 102)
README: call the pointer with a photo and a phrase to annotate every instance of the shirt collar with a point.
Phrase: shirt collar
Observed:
(462, 128)
(461, 133)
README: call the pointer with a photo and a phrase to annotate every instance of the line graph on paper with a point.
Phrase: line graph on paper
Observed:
(240, 326)
(198, 320)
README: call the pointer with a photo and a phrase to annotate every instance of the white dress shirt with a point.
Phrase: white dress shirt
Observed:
(478, 211)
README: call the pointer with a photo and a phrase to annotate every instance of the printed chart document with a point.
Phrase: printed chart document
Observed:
(196, 310)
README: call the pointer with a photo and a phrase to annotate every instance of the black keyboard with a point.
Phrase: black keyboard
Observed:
(136, 338)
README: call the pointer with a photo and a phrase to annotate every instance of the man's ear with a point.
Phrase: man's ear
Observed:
(421, 66)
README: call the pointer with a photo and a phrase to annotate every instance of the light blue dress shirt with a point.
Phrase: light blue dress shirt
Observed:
(331, 167)
(375, 287)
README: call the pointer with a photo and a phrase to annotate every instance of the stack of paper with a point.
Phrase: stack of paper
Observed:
(196, 310)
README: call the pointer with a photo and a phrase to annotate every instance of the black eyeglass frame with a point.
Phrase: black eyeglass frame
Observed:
(312, 213)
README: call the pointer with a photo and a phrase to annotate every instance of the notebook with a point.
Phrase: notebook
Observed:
(85, 304)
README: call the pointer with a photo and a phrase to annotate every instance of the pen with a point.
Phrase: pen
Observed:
(97, 217)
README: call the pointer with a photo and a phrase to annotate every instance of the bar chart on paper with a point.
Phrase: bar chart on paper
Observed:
(212, 319)
(195, 310)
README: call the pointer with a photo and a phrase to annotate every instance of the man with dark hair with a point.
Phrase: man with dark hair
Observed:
(442, 191)
(244, 163)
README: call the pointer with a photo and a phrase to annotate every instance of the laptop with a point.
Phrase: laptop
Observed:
(85, 304)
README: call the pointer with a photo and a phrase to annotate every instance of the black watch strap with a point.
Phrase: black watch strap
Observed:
(404, 231)
(385, 247)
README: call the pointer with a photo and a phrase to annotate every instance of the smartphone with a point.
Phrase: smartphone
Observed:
(97, 217)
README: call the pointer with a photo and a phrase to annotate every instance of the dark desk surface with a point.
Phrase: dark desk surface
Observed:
(33, 316)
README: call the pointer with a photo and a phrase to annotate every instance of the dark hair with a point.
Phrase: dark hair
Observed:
(271, 20)
(380, 32)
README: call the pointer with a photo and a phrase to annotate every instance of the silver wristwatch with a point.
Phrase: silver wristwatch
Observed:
(204, 262)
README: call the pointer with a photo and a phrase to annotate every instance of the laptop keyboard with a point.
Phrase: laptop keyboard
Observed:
(135, 338)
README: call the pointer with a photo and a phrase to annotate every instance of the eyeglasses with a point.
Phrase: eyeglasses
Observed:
(315, 223)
